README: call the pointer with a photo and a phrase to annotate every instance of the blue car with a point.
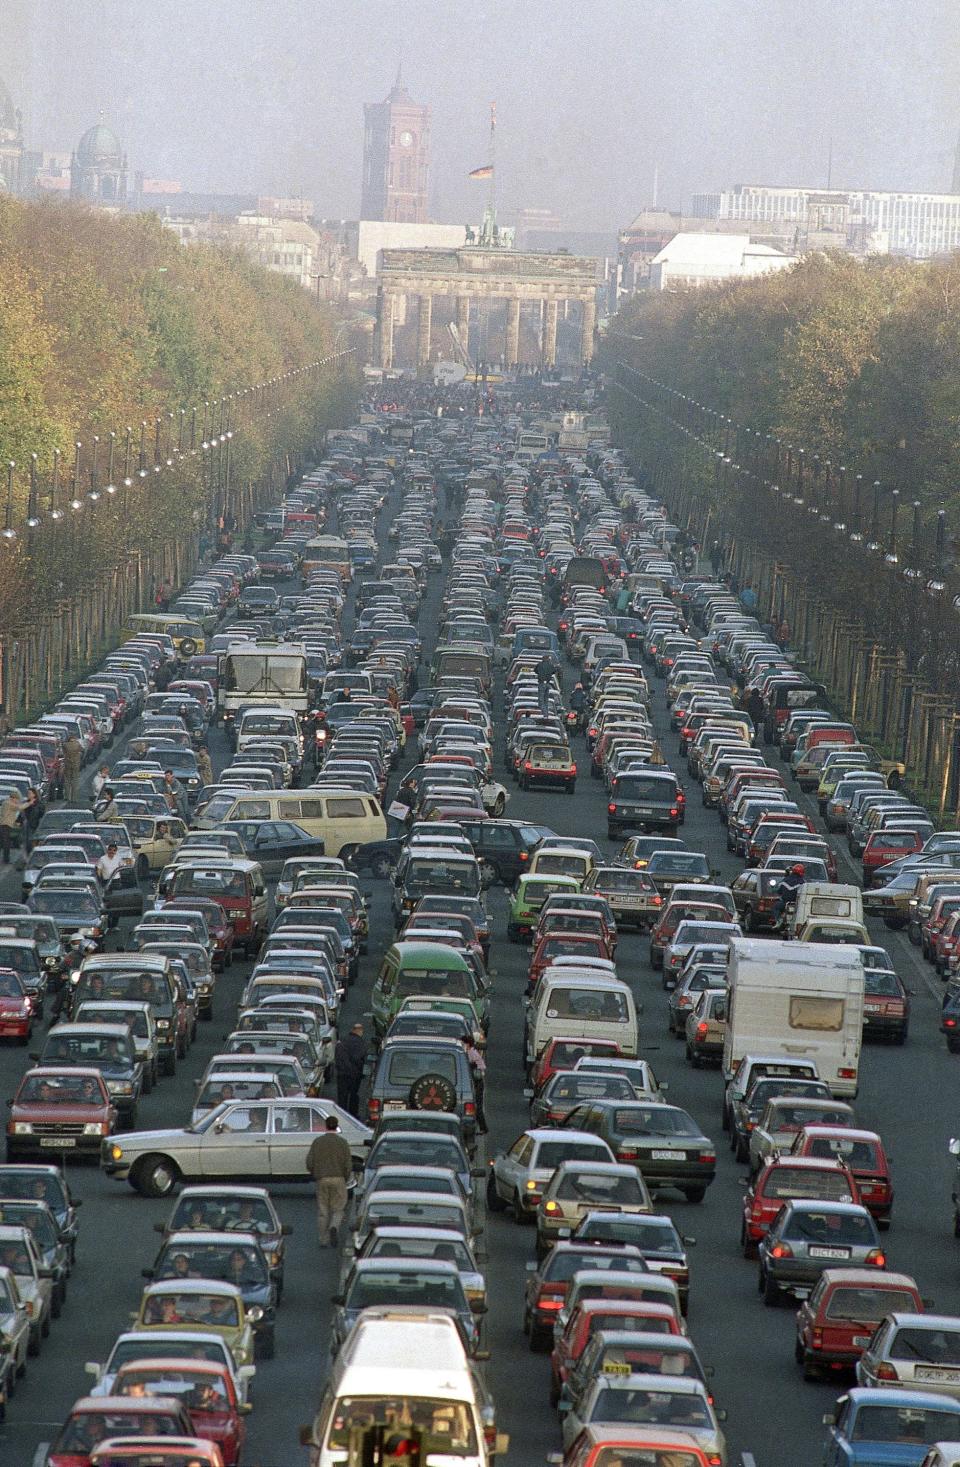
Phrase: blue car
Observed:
(896, 1427)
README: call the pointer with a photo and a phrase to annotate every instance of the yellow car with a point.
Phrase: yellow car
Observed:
(190, 1304)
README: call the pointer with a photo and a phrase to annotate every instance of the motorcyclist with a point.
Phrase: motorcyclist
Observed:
(578, 703)
(787, 890)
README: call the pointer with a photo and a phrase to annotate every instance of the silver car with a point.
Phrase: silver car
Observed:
(677, 1403)
(916, 1352)
(518, 1176)
(808, 1237)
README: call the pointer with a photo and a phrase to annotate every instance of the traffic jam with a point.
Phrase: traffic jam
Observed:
(469, 859)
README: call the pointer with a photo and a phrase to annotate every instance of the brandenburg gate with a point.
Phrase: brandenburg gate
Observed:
(483, 275)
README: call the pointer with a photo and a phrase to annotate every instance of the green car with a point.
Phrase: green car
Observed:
(446, 1004)
(424, 970)
(528, 896)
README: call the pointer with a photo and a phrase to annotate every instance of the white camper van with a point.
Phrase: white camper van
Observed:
(802, 1000)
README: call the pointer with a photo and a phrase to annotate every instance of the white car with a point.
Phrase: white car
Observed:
(258, 1139)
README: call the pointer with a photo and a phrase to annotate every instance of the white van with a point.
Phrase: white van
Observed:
(581, 1005)
(800, 1000)
(411, 1360)
(828, 900)
(339, 817)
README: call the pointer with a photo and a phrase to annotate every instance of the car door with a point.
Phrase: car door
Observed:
(293, 1126)
(237, 1144)
(510, 1171)
(271, 846)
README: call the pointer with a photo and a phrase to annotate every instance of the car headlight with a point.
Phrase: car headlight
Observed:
(94, 1128)
(50, 962)
(119, 1087)
(22, 1128)
(116, 1152)
(163, 1023)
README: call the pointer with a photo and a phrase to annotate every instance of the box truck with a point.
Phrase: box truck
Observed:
(802, 1000)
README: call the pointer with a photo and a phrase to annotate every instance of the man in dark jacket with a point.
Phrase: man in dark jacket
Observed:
(349, 1059)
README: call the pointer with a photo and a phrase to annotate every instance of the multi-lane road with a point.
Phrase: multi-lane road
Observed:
(907, 1094)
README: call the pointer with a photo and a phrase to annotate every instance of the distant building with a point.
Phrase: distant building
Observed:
(286, 246)
(396, 159)
(299, 208)
(535, 221)
(862, 221)
(690, 261)
(98, 169)
(11, 144)
(365, 238)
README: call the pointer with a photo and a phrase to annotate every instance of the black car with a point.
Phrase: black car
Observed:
(644, 799)
(666, 1144)
(505, 846)
(270, 842)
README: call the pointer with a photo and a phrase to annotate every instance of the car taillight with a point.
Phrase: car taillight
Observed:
(674, 810)
(627, 1154)
(553, 1305)
(876, 1258)
(707, 1158)
(373, 1110)
(702, 1030)
(885, 1372)
(527, 764)
(781, 1250)
(846, 1074)
(816, 1339)
(611, 808)
(469, 1109)
(551, 1207)
(949, 1023)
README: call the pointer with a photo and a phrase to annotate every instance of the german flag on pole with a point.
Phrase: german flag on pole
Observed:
(485, 172)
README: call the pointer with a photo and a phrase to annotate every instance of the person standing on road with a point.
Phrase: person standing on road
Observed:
(9, 819)
(716, 557)
(330, 1164)
(99, 780)
(204, 765)
(72, 763)
(349, 1059)
(478, 1070)
(175, 794)
(545, 678)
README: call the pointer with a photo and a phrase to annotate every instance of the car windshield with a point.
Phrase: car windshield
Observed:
(916, 1425)
(223, 1214)
(601, 1187)
(794, 1181)
(630, 882)
(858, 1155)
(191, 882)
(211, 1311)
(82, 1431)
(602, 1004)
(74, 903)
(430, 875)
(392, 1286)
(198, 1389)
(10, 986)
(407, 1065)
(849, 1229)
(868, 1306)
(562, 865)
(60, 1090)
(589, 1087)
(439, 981)
(655, 790)
(678, 863)
(646, 1456)
(445, 1426)
(83, 1049)
(237, 1264)
(179, 1348)
(647, 1121)
(651, 1407)
(650, 1236)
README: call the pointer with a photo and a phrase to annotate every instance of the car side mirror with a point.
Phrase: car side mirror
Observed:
(337, 1299)
(92, 1367)
(690, 1242)
(306, 1436)
(146, 1273)
(219, 1128)
(530, 1266)
(159, 1227)
(481, 1355)
(829, 1419)
(286, 1230)
(35, 1056)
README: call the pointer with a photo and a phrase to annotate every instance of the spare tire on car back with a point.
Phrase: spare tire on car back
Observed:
(432, 1092)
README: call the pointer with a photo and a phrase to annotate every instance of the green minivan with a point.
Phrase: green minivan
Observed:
(528, 896)
(429, 969)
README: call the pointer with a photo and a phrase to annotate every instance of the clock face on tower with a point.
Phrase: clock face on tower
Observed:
(406, 140)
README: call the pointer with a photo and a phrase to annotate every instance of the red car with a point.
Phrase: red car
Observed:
(863, 1153)
(564, 945)
(16, 1008)
(206, 1388)
(943, 908)
(639, 1314)
(835, 1323)
(884, 846)
(63, 1110)
(673, 915)
(547, 1284)
(562, 1054)
(95, 1418)
(783, 1177)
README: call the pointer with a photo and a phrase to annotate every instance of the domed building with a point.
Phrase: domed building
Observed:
(11, 143)
(98, 168)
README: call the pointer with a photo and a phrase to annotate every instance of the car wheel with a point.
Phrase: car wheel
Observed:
(747, 1246)
(771, 1291)
(741, 1148)
(694, 1194)
(266, 1346)
(495, 1202)
(500, 805)
(45, 1326)
(56, 1303)
(155, 1176)
(538, 1340)
(33, 1348)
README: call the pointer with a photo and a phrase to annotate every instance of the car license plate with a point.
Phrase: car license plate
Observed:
(862, 1341)
(668, 1156)
(58, 1140)
(935, 1372)
(817, 1252)
(393, 1105)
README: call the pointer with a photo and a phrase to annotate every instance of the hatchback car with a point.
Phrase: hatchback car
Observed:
(807, 1237)
(578, 1187)
(836, 1324)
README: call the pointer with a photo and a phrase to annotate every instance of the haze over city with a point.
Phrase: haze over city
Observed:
(267, 95)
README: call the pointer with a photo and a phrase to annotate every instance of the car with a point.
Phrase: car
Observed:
(20, 1253)
(172, 1344)
(52, 1247)
(266, 1139)
(836, 1323)
(206, 1387)
(96, 1419)
(421, 1074)
(15, 1327)
(578, 1186)
(66, 1110)
(517, 1176)
(443, 1243)
(653, 1235)
(566, 1089)
(549, 1279)
(662, 1141)
(910, 1350)
(271, 843)
(676, 1402)
(899, 1424)
(379, 1281)
(864, 1153)
(528, 896)
(200, 1304)
(784, 1116)
(747, 1110)
(631, 1351)
(18, 1009)
(417, 1150)
(236, 1258)
(706, 1026)
(807, 1237)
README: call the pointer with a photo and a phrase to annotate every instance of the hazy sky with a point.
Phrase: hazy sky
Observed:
(592, 95)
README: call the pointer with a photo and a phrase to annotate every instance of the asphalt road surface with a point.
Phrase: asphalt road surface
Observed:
(906, 1093)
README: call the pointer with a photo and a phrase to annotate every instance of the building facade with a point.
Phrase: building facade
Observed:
(690, 261)
(919, 226)
(396, 159)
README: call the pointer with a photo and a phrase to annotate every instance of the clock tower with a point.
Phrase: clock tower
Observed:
(396, 159)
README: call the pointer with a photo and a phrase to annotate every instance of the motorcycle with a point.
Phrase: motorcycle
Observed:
(574, 721)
